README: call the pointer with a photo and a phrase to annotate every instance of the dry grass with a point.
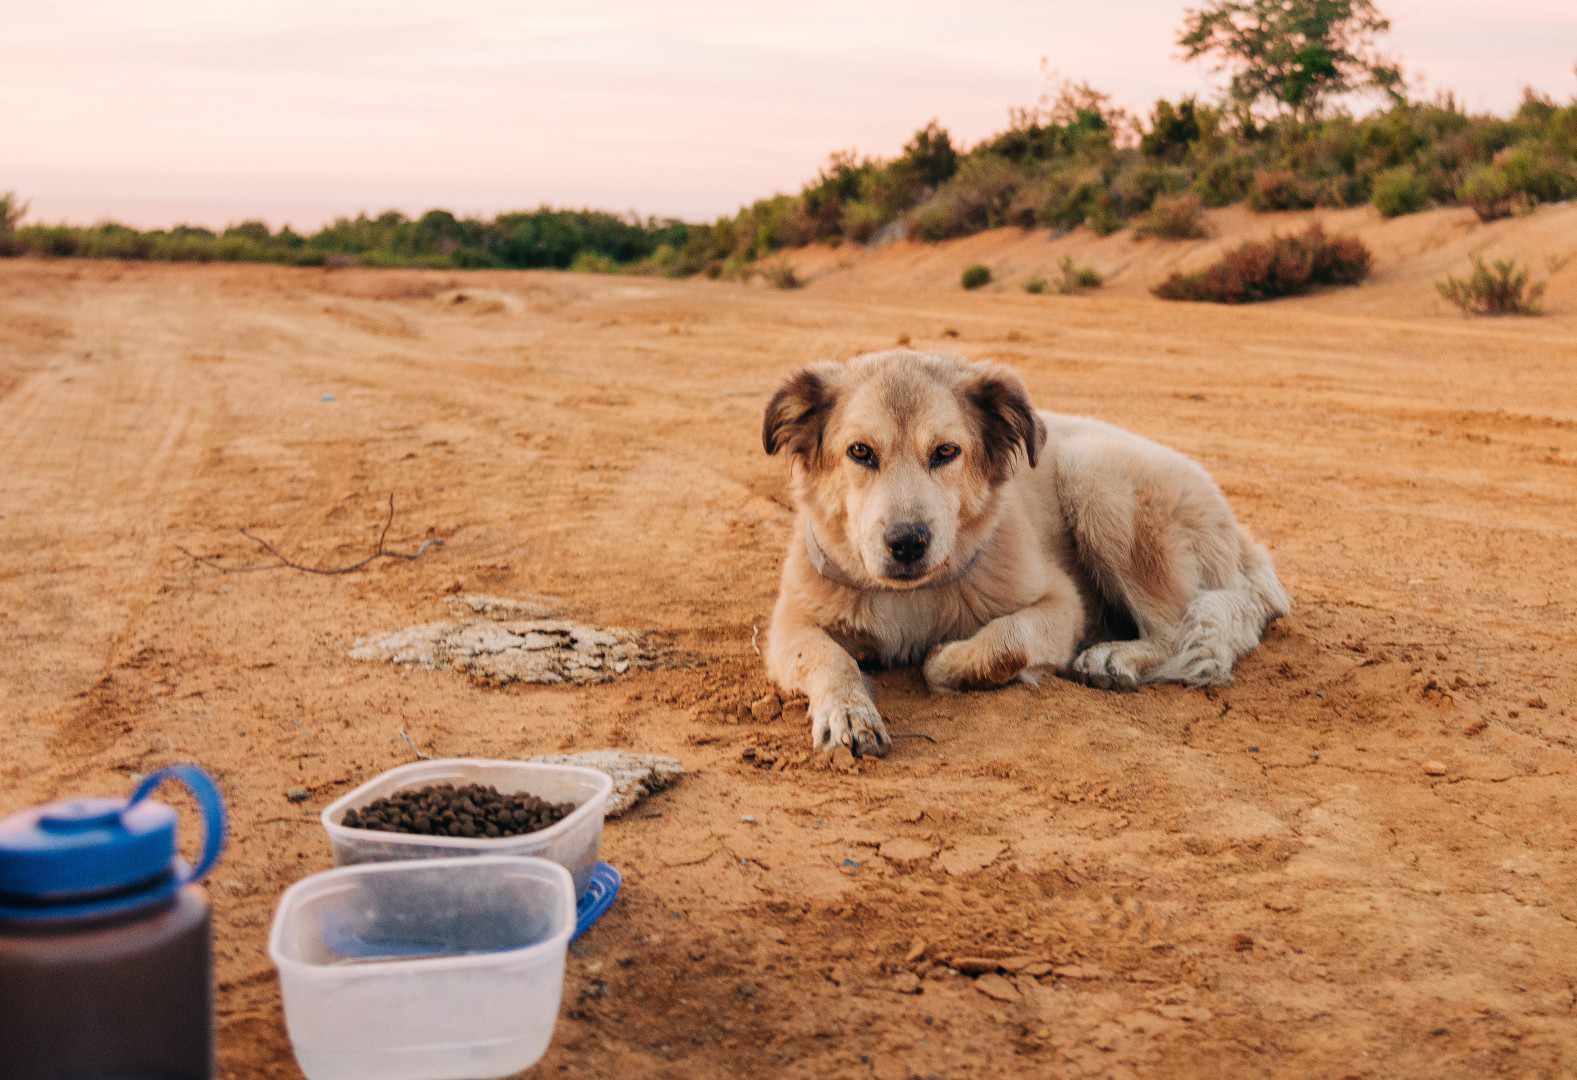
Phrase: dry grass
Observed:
(1500, 288)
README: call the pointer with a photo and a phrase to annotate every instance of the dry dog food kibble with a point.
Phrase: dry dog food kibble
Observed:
(472, 811)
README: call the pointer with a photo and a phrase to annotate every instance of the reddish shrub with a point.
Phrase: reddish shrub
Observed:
(1282, 189)
(1281, 266)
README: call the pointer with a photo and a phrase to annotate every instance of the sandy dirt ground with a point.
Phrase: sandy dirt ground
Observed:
(1357, 861)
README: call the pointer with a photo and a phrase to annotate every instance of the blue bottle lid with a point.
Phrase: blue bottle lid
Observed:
(87, 858)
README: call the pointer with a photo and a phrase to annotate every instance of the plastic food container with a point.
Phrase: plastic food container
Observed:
(431, 969)
(572, 843)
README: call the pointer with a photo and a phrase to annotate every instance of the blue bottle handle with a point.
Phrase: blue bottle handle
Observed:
(209, 801)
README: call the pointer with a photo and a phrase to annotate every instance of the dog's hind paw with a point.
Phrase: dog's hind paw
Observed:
(1107, 666)
(855, 724)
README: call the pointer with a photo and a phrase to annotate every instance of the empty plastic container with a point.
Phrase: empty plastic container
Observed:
(430, 969)
(572, 843)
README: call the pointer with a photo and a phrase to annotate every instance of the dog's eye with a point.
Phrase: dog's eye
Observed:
(861, 454)
(943, 454)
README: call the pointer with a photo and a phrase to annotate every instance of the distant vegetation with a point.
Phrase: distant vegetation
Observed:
(545, 238)
(1174, 217)
(1500, 288)
(1281, 266)
(11, 212)
(975, 276)
(1075, 279)
(1278, 138)
(781, 275)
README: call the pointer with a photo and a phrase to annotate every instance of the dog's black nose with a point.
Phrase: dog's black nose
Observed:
(908, 541)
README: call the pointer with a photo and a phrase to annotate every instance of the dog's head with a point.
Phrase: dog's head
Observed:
(899, 456)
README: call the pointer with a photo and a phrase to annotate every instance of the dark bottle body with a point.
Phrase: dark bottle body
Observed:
(127, 999)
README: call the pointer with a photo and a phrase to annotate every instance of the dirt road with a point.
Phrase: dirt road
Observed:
(1266, 880)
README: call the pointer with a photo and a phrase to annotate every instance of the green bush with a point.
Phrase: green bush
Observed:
(1500, 288)
(977, 197)
(781, 275)
(593, 262)
(861, 221)
(49, 241)
(12, 211)
(1225, 180)
(1537, 173)
(1076, 279)
(1399, 191)
(1070, 197)
(1103, 215)
(930, 156)
(976, 276)
(1035, 286)
(1488, 191)
(1175, 217)
(1173, 130)
(1281, 266)
(1137, 186)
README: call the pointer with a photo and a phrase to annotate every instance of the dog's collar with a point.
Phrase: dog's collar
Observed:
(823, 565)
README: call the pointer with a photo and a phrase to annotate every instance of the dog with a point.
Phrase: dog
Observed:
(942, 520)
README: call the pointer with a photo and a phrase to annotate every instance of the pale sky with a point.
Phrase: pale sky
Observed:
(209, 111)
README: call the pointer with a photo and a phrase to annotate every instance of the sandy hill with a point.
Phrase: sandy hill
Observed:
(1411, 253)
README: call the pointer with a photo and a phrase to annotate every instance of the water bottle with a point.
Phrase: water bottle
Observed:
(106, 966)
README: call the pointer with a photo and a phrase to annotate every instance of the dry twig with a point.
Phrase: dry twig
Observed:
(414, 748)
(286, 563)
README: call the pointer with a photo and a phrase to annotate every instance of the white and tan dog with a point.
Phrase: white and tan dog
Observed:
(943, 520)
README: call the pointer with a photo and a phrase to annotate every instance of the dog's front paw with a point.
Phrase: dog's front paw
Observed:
(852, 723)
(961, 665)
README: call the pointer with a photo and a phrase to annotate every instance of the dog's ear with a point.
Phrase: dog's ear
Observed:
(797, 414)
(1006, 419)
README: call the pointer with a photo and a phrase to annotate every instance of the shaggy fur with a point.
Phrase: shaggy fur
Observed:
(1055, 544)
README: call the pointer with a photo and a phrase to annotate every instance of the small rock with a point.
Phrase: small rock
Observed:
(1189, 1014)
(971, 855)
(996, 988)
(297, 794)
(1281, 905)
(1434, 768)
(1078, 971)
(906, 982)
(635, 776)
(766, 707)
(974, 965)
(916, 951)
(906, 849)
(748, 819)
